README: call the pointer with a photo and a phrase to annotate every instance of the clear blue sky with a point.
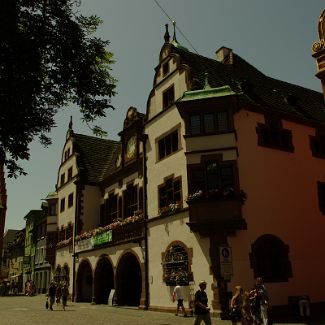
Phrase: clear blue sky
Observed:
(275, 36)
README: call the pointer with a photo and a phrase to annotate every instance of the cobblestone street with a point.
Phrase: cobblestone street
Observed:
(18, 310)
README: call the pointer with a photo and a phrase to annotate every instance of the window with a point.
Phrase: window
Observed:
(321, 196)
(109, 210)
(62, 205)
(62, 179)
(212, 175)
(52, 209)
(67, 154)
(270, 259)
(70, 200)
(168, 144)
(176, 266)
(130, 196)
(69, 173)
(273, 135)
(168, 97)
(170, 192)
(207, 123)
(317, 145)
(165, 68)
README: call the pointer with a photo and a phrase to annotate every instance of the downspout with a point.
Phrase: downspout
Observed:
(143, 139)
(75, 227)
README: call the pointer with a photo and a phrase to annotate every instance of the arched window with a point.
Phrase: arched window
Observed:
(270, 259)
(176, 266)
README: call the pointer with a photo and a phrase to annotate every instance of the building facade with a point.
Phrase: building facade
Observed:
(221, 180)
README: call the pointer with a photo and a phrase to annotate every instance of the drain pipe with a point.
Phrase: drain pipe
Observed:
(143, 139)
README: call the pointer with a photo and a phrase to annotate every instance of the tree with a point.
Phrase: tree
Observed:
(49, 58)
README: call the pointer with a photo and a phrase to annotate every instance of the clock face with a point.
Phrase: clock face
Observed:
(131, 147)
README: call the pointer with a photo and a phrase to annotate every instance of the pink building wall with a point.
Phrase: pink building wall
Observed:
(282, 200)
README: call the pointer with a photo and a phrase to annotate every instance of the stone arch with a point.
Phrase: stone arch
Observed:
(129, 280)
(84, 282)
(103, 279)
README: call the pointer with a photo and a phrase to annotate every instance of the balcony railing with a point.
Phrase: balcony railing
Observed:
(131, 228)
(216, 210)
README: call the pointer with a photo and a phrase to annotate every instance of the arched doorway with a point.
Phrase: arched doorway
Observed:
(128, 281)
(84, 282)
(103, 280)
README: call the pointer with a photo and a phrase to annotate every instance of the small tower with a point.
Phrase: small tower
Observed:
(319, 51)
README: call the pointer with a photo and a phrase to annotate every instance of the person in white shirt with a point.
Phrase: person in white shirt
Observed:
(178, 293)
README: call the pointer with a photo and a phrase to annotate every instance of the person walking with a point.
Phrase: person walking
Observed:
(178, 293)
(64, 295)
(236, 305)
(263, 299)
(58, 295)
(202, 311)
(51, 294)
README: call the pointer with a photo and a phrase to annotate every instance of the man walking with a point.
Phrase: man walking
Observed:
(51, 294)
(202, 311)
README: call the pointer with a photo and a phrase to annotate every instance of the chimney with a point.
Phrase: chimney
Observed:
(224, 55)
(319, 51)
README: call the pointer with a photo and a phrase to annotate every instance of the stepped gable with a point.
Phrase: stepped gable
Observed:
(255, 89)
(95, 157)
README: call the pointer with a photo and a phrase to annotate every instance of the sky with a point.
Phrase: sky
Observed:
(274, 36)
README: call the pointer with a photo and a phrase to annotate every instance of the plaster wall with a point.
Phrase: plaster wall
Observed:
(91, 206)
(282, 200)
(174, 164)
(168, 230)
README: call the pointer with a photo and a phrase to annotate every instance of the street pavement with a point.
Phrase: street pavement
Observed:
(18, 310)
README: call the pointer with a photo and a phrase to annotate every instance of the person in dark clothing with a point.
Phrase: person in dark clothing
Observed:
(202, 311)
(51, 294)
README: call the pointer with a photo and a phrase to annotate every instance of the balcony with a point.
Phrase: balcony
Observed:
(129, 231)
(216, 211)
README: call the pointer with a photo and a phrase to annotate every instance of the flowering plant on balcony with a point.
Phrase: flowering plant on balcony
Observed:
(170, 208)
(118, 222)
(64, 243)
(215, 193)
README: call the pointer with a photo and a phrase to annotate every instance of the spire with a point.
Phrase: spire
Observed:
(166, 36)
(174, 36)
(206, 81)
(70, 123)
(70, 131)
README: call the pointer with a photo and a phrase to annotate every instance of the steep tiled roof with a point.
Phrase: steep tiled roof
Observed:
(95, 157)
(254, 87)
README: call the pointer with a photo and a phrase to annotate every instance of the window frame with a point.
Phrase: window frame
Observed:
(168, 97)
(272, 135)
(216, 124)
(168, 144)
(171, 195)
(202, 168)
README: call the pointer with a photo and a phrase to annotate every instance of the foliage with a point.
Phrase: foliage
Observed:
(48, 59)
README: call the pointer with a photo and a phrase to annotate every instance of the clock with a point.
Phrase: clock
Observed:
(131, 147)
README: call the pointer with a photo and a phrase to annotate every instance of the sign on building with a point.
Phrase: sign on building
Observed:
(226, 266)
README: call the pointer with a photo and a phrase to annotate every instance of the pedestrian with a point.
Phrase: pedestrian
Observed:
(64, 295)
(264, 300)
(178, 295)
(255, 304)
(304, 306)
(58, 295)
(51, 294)
(202, 311)
(246, 310)
(236, 305)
